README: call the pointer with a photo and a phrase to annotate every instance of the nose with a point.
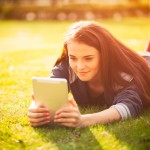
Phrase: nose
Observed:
(80, 65)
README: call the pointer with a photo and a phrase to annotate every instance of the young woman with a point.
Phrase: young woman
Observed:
(100, 70)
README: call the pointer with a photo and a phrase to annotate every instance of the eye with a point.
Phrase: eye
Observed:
(89, 58)
(72, 58)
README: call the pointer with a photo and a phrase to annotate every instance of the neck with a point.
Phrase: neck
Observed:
(96, 86)
(96, 81)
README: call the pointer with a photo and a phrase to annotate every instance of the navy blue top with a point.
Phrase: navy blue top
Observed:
(127, 97)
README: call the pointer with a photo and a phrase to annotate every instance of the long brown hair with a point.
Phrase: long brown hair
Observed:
(115, 58)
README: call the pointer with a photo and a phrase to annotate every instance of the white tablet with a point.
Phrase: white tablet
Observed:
(52, 92)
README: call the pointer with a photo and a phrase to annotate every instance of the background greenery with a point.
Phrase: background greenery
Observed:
(31, 48)
(71, 10)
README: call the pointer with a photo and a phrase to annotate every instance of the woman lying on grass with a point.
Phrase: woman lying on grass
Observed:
(100, 70)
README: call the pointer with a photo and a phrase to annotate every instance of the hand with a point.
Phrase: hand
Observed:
(38, 115)
(68, 116)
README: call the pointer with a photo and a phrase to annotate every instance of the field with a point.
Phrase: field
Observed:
(31, 48)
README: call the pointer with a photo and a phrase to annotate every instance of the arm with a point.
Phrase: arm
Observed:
(126, 103)
(71, 117)
(106, 116)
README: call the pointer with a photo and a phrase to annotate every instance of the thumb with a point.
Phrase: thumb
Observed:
(33, 97)
(72, 102)
(37, 104)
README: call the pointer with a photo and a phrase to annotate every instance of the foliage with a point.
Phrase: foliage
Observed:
(99, 10)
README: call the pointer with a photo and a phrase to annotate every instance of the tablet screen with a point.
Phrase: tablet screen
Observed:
(52, 92)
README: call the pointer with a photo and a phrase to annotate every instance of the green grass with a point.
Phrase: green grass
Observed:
(31, 48)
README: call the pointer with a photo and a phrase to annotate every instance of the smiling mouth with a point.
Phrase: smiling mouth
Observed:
(83, 72)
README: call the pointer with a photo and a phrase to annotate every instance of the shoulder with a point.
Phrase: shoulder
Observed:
(61, 70)
(130, 97)
(129, 91)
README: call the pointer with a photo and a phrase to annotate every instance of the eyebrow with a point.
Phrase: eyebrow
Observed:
(89, 56)
(83, 56)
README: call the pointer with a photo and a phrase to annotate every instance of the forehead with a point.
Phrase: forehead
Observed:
(81, 49)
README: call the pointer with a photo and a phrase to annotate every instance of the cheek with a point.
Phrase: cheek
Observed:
(96, 66)
(72, 65)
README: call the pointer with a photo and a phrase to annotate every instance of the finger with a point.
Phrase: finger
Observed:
(41, 105)
(33, 98)
(43, 119)
(34, 105)
(38, 115)
(72, 102)
(39, 124)
(38, 110)
(66, 109)
(66, 115)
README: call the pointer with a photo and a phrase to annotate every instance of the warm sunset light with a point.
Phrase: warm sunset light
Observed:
(74, 74)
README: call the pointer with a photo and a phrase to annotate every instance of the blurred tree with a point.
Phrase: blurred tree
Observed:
(16, 1)
(53, 2)
(135, 1)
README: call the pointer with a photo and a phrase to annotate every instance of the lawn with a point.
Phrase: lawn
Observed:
(31, 48)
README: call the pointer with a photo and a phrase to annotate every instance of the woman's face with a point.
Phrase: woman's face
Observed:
(84, 60)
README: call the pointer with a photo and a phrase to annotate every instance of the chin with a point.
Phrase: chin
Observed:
(83, 79)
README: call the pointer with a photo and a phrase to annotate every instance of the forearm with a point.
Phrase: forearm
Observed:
(103, 117)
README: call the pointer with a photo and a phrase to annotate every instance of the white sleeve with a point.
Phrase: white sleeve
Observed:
(123, 110)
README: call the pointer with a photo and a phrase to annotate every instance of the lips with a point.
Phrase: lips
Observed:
(82, 73)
